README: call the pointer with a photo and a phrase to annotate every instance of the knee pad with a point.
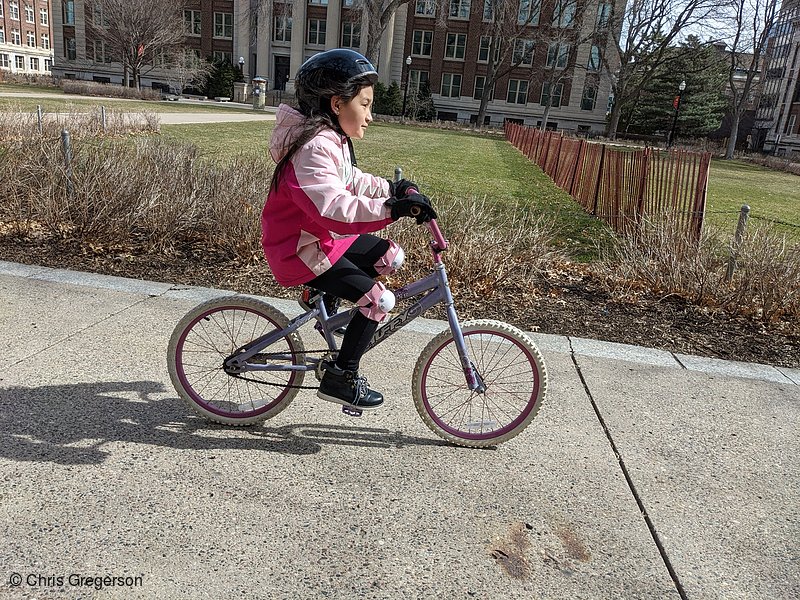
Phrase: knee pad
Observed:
(391, 261)
(376, 303)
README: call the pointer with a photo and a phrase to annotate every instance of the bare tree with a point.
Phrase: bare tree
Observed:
(185, 68)
(140, 34)
(647, 29)
(752, 23)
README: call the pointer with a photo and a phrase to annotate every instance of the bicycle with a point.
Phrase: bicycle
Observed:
(477, 384)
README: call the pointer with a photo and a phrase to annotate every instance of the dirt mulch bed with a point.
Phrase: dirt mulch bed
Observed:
(565, 304)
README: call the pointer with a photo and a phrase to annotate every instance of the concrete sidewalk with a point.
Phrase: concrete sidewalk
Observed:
(646, 474)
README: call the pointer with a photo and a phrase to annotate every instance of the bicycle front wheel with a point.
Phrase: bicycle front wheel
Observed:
(210, 333)
(509, 365)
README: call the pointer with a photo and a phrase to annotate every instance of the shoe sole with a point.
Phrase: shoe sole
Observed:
(336, 400)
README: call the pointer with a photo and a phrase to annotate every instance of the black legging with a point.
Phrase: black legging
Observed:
(350, 277)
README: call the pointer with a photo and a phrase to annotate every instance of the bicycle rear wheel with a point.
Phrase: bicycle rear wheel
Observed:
(506, 361)
(210, 333)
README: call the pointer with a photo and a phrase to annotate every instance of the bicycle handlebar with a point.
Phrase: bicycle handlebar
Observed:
(441, 243)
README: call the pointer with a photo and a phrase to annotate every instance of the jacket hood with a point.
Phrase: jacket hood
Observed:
(287, 128)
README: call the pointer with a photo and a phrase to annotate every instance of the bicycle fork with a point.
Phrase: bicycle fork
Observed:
(474, 379)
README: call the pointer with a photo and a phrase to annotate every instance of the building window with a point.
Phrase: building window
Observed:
(557, 55)
(19, 61)
(44, 17)
(48, 64)
(422, 42)
(558, 89)
(417, 79)
(529, 12)
(517, 91)
(603, 15)
(451, 85)
(480, 83)
(5, 60)
(219, 57)
(13, 8)
(1, 13)
(2, 36)
(564, 13)
(488, 10)
(223, 25)
(589, 97)
(69, 48)
(594, 59)
(456, 42)
(523, 53)
(99, 51)
(31, 39)
(459, 9)
(319, 2)
(69, 12)
(485, 46)
(425, 8)
(351, 35)
(29, 14)
(193, 21)
(283, 28)
(316, 31)
(46, 41)
(16, 39)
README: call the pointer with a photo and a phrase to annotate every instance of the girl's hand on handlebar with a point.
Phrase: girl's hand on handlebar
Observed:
(413, 205)
(402, 188)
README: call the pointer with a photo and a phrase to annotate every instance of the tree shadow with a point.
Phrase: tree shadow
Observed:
(71, 424)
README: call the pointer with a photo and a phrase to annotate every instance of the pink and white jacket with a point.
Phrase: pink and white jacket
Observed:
(321, 201)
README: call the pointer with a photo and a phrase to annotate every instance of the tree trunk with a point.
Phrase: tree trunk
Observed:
(733, 136)
(546, 115)
(482, 109)
(613, 122)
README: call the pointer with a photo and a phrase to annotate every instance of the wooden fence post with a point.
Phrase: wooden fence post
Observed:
(599, 178)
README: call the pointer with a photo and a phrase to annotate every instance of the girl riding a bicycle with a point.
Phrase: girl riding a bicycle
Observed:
(321, 210)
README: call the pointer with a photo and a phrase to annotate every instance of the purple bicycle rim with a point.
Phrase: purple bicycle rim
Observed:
(197, 398)
(497, 432)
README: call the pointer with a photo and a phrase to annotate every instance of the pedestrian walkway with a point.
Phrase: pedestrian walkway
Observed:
(646, 474)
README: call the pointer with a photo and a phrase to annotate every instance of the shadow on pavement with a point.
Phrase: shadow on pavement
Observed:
(71, 424)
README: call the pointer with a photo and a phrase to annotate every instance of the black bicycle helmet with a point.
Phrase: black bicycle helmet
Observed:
(338, 72)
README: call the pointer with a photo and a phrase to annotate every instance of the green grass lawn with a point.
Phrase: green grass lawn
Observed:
(771, 195)
(441, 162)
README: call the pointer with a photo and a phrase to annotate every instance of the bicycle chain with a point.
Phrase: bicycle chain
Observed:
(281, 385)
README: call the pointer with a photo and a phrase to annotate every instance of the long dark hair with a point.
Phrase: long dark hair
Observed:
(314, 103)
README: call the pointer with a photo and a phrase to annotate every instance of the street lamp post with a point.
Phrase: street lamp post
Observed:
(241, 67)
(405, 93)
(677, 104)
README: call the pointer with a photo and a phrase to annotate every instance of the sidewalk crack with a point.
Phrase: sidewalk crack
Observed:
(637, 497)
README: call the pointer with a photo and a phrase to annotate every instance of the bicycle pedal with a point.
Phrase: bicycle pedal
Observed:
(352, 412)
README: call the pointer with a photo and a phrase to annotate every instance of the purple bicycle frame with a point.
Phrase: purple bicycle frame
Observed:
(435, 288)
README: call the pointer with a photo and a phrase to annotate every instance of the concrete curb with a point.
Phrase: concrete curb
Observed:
(548, 343)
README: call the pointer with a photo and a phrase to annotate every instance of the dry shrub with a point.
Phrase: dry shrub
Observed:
(493, 249)
(109, 90)
(32, 79)
(662, 259)
(81, 122)
(152, 193)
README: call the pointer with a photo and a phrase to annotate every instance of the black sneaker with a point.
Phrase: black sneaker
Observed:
(347, 388)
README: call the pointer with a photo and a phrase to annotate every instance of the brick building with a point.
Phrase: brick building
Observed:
(272, 39)
(777, 121)
(557, 36)
(26, 36)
